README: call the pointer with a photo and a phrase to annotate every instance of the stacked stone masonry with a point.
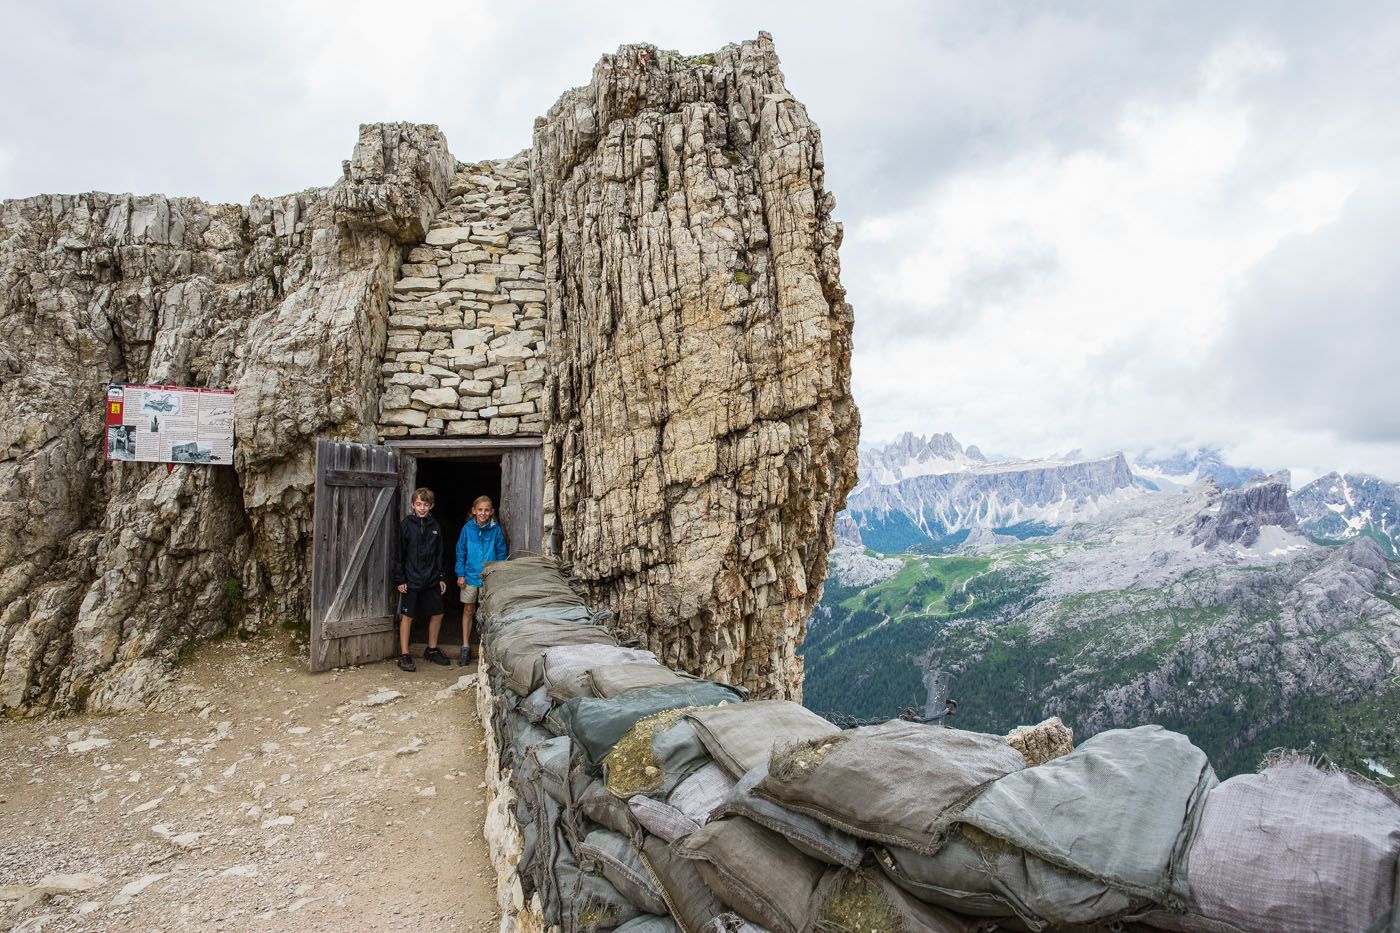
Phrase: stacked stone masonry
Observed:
(465, 347)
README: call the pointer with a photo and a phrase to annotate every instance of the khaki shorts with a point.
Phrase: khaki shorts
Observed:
(469, 593)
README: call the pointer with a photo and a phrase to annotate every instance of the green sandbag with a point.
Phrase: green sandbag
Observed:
(596, 725)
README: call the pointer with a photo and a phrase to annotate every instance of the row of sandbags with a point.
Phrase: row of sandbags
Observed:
(651, 800)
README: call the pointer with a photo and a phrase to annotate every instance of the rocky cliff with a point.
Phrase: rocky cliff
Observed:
(912, 455)
(1238, 515)
(1340, 506)
(926, 495)
(701, 430)
(111, 570)
(700, 419)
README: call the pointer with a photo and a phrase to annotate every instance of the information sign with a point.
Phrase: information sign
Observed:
(169, 424)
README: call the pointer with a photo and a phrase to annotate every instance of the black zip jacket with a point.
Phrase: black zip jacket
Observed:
(418, 560)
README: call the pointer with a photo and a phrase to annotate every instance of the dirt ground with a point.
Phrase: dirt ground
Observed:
(261, 797)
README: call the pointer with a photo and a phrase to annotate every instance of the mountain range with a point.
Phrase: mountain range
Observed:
(930, 494)
(1226, 607)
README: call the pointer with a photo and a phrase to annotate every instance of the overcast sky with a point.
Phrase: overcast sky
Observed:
(1079, 225)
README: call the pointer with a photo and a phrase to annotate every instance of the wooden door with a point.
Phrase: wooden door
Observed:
(354, 529)
(522, 500)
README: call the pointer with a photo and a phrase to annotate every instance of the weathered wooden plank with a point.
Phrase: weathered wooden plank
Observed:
(361, 478)
(380, 584)
(418, 444)
(355, 561)
(537, 501)
(345, 628)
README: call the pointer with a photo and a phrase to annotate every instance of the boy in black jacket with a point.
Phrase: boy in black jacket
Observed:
(418, 576)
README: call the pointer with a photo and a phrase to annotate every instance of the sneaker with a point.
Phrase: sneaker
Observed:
(406, 663)
(465, 657)
(436, 656)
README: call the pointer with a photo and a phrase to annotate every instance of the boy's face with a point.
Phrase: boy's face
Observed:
(421, 507)
(482, 513)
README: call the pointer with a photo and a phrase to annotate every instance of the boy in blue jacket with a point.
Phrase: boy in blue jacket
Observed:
(481, 540)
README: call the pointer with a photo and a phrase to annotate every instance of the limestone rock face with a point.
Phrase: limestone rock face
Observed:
(107, 571)
(701, 432)
(1238, 515)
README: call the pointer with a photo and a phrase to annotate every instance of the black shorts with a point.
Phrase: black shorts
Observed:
(427, 600)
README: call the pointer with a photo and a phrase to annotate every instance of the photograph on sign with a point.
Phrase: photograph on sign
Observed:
(169, 424)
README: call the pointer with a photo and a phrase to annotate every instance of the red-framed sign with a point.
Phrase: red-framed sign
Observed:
(169, 424)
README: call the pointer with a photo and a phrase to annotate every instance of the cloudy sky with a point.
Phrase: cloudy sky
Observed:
(1078, 225)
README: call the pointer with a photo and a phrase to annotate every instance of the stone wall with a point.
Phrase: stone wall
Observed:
(466, 321)
(109, 571)
(700, 422)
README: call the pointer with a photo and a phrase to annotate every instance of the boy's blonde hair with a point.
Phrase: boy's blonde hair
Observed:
(480, 499)
(426, 494)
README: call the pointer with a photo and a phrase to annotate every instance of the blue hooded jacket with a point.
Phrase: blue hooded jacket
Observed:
(475, 546)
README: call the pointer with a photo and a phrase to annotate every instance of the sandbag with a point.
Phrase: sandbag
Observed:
(536, 706)
(566, 668)
(569, 613)
(588, 902)
(1117, 809)
(661, 819)
(756, 873)
(543, 591)
(893, 783)
(519, 650)
(595, 803)
(523, 735)
(610, 680)
(866, 902)
(649, 923)
(805, 833)
(731, 923)
(987, 878)
(552, 760)
(698, 795)
(692, 902)
(743, 737)
(612, 854)
(597, 724)
(655, 755)
(1298, 848)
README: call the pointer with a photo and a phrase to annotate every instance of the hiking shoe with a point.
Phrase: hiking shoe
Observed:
(465, 657)
(436, 656)
(406, 663)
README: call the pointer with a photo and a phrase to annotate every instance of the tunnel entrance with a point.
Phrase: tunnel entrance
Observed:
(363, 491)
(455, 484)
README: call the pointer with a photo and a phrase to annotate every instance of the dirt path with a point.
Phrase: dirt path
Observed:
(261, 798)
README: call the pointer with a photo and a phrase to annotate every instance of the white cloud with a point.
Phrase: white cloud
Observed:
(1120, 263)
(1068, 225)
